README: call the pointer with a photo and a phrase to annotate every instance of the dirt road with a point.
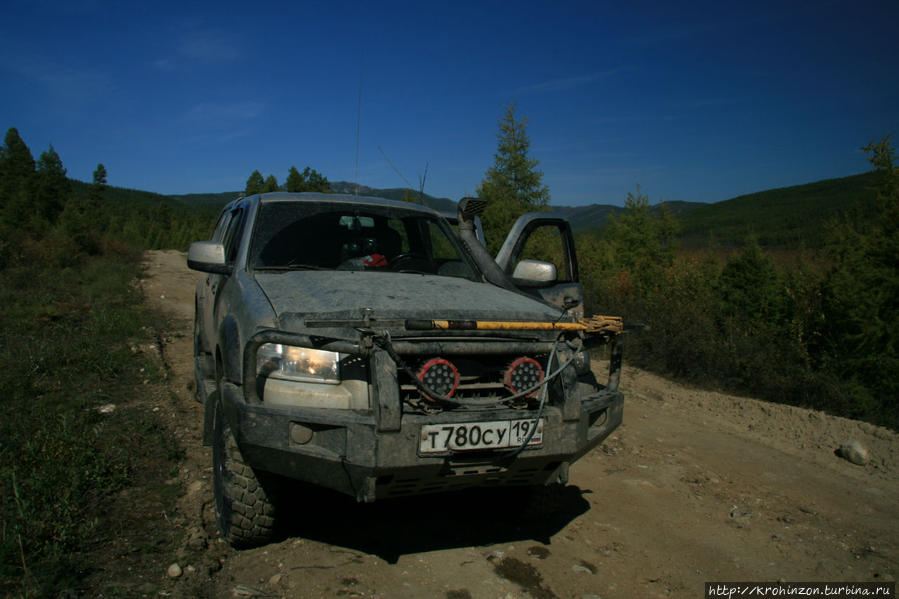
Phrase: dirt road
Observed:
(695, 486)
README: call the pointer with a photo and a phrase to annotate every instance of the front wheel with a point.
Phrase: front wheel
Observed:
(244, 511)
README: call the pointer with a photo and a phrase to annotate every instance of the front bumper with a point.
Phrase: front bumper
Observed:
(354, 453)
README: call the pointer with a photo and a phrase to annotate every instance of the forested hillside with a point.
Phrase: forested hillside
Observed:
(789, 217)
(783, 218)
(810, 324)
(595, 217)
(72, 432)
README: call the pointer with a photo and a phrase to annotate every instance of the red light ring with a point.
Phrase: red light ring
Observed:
(439, 362)
(510, 371)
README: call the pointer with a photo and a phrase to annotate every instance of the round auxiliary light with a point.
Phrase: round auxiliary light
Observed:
(523, 374)
(440, 376)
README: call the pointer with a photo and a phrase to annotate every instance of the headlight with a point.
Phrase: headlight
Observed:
(298, 363)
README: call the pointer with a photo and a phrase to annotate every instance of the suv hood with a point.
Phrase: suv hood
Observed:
(344, 294)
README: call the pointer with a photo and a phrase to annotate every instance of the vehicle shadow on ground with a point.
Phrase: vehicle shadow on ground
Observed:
(395, 527)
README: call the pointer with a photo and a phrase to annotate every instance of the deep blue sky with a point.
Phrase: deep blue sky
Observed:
(697, 101)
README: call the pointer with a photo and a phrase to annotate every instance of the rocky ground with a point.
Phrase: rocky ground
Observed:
(695, 486)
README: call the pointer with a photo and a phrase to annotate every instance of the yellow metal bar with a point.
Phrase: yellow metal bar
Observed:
(607, 325)
(508, 325)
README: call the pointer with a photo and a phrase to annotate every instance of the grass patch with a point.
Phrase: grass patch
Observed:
(72, 428)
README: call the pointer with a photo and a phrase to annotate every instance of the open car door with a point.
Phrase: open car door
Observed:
(539, 256)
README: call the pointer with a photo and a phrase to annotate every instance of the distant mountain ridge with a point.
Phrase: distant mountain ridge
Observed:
(596, 216)
(784, 217)
(394, 193)
(217, 200)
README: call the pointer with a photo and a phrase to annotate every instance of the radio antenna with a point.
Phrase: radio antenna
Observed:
(421, 179)
(358, 120)
(421, 185)
(390, 162)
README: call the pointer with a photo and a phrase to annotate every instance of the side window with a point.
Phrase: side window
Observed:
(221, 226)
(231, 240)
(441, 247)
(547, 243)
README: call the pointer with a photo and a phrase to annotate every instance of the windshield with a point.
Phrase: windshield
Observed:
(333, 236)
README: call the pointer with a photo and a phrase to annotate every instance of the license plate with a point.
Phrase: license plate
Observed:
(466, 436)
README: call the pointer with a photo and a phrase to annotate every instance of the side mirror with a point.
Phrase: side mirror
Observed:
(208, 256)
(534, 273)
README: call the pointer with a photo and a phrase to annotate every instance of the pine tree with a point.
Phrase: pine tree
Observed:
(308, 180)
(750, 288)
(16, 179)
(315, 181)
(861, 297)
(295, 182)
(641, 240)
(98, 189)
(641, 237)
(52, 186)
(513, 185)
(95, 210)
(270, 184)
(16, 161)
(254, 183)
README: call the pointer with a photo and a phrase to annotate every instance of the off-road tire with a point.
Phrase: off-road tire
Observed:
(244, 510)
(198, 376)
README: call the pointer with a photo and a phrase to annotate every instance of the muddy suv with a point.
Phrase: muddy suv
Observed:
(370, 347)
